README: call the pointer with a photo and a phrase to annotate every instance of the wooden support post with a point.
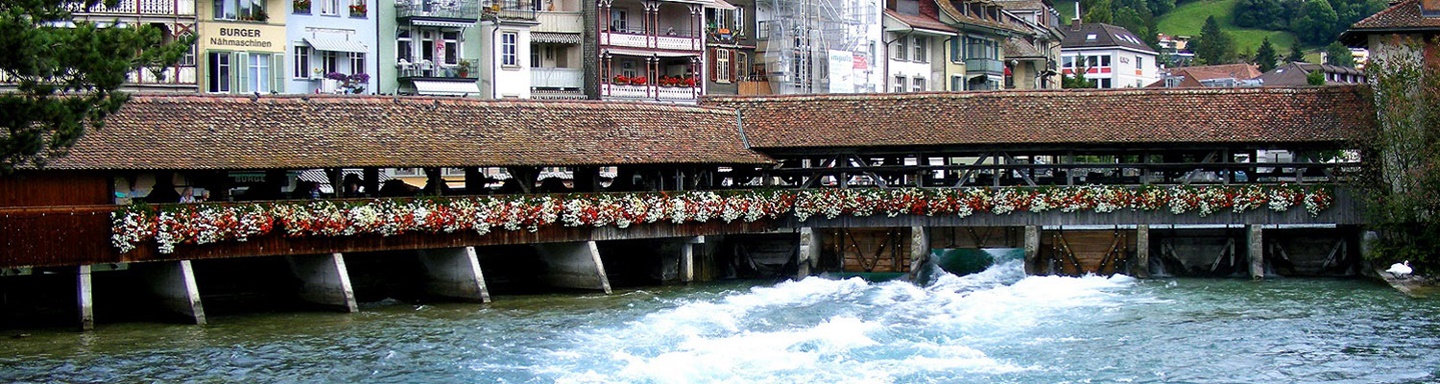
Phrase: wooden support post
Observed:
(372, 182)
(1257, 253)
(1141, 267)
(474, 181)
(83, 299)
(1032, 250)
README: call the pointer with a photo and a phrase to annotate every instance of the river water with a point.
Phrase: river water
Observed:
(997, 326)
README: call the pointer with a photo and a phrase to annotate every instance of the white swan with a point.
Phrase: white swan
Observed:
(1400, 269)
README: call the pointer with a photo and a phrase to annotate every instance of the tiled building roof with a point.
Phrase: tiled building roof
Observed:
(1404, 16)
(296, 132)
(1091, 117)
(920, 21)
(949, 8)
(1101, 35)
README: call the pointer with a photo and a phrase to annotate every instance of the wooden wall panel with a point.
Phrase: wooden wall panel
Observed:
(1089, 249)
(31, 189)
(56, 236)
(868, 249)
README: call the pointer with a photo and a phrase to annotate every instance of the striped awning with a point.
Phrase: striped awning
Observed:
(555, 38)
(446, 88)
(442, 23)
(336, 45)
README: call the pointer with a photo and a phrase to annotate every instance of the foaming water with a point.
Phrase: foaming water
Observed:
(996, 326)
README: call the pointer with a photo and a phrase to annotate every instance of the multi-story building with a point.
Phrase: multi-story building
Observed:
(916, 43)
(820, 46)
(730, 47)
(1108, 54)
(977, 56)
(557, 59)
(506, 58)
(642, 43)
(174, 18)
(1032, 57)
(428, 47)
(242, 46)
(331, 46)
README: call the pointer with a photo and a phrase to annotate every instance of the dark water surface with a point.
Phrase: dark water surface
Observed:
(994, 327)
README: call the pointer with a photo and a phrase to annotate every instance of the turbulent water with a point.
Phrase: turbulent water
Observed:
(997, 326)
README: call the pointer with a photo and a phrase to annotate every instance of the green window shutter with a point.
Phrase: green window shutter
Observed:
(236, 70)
(277, 73)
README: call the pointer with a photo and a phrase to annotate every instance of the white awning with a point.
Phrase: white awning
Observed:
(438, 23)
(719, 4)
(446, 88)
(336, 45)
(555, 37)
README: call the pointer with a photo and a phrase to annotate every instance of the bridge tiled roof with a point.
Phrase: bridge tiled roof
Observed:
(1089, 117)
(295, 132)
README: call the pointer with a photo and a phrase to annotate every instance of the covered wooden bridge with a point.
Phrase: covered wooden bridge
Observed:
(563, 193)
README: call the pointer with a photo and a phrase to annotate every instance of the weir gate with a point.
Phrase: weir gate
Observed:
(447, 198)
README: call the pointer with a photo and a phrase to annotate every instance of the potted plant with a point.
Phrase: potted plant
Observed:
(357, 10)
(621, 80)
(638, 80)
(356, 82)
(689, 82)
(302, 6)
(463, 68)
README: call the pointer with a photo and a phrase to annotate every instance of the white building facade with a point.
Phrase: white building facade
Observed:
(1110, 55)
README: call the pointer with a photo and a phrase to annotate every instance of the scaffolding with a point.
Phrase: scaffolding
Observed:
(821, 46)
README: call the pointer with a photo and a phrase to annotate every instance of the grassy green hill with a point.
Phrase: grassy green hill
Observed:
(1187, 18)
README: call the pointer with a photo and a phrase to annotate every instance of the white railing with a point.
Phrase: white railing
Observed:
(628, 40)
(557, 77)
(678, 43)
(559, 22)
(679, 93)
(147, 7)
(172, 75)
(556, 95)
(631, 91)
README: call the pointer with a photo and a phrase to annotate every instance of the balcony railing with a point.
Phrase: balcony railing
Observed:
(430, 70)
(438, 9)
(650, 91)
(991, 66)
(679, 42)
(509, 9)
(559, 22)
(557, 77)
(143, 7)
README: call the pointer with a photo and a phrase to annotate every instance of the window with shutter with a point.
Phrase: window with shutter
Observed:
(277, 71)
(240, 62)
(710, 66)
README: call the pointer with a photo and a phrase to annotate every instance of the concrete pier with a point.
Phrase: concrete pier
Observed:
(84, 299)
(174, 283)
(809, 251)
(1141, 267)
(574, 265)
(687, 258)
(1257, 252)
(919, 249)
(1032, 250)
(325, 281)
(454, 273)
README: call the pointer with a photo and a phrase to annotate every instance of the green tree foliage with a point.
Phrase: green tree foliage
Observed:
(1265, 56)
(66, 76)
(1339, 55)
(1317, 23)
(1405, 168)
(1213, 46)
(1078, 80)
(1100, 11)
(1160, 7)
(1296, 55)
(1260, 14)
(1316, 77)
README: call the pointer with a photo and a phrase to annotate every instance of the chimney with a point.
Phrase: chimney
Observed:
(1430, 8)
(1075, 23)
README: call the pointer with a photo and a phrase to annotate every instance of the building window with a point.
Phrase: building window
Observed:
(762, 30)
(900, 49)
(329, 62)
(1139, 62)
(1105, 61)
(918, 84)
(1067, 62)
(617, 20)
(257, 77)
(955, 50)
(1104, 83)
(188, 58)
(508, 49)
(427, 46)
(403, 50)
(742, 66)
(357, 62)
(302, 62)
(330, 7)
(739, 20)
(452, 46)
(900, 84)
(247, 10)
(218, 69)
(535, 56)
(957, 83)
(922, 44)
(722, 65)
